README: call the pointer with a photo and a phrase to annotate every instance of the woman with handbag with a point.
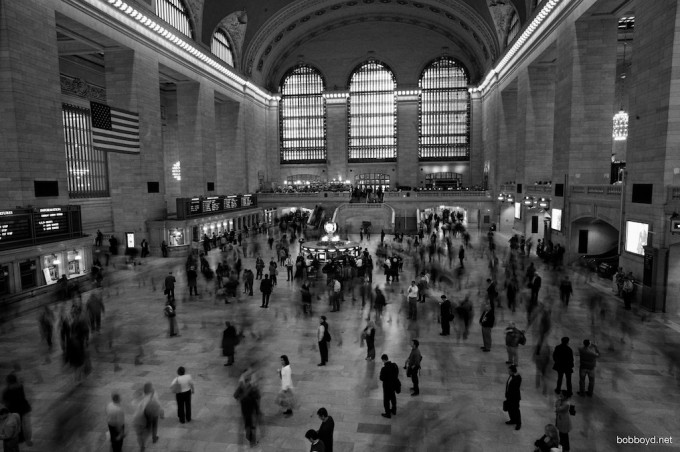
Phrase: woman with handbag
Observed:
(564, 410)
(183, 387)
(286, 397)
(369, 336)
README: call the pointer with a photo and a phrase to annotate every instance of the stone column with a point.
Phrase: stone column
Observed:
(536, 116)
(476, 173)
(584, 100)
(490, 109)
(408, 171)
(30, 104)
(507, 134)
(336, 133)
(195, 122)
(132, 84)
(230, 147)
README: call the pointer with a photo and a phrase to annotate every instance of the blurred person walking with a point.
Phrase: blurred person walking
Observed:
(46, 322)
(566, 290)
(445, 316)
(95, 308)
(169, 286)
(248, 395)
(14, 399)
(588, 355)
(10, 429)
(368, 334)
(230, 340)
(563, 412)
(115, 419)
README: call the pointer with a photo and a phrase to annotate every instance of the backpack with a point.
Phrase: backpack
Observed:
(522, 339)
(628, 286)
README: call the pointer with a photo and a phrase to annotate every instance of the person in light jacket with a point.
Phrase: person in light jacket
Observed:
(563, 418)
(185, 387)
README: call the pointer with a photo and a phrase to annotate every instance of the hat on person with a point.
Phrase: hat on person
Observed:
(443, 297)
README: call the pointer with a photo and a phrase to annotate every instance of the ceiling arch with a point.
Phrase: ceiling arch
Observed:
(465, 27)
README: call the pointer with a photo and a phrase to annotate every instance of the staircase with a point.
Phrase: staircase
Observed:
(350, 216)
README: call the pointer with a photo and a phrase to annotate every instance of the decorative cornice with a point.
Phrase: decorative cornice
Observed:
(75, 86)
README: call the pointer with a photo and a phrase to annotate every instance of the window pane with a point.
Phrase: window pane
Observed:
(444, 112)
(174, 13)
(302, 113)
(220, 47)
(87, 169)
(372, 113)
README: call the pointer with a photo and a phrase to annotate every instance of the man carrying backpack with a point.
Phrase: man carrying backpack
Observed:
(513, 339)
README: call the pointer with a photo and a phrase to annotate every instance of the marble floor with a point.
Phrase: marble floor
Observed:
(637, 392)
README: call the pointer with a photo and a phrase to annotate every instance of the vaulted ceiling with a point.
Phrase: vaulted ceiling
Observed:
(278, 31)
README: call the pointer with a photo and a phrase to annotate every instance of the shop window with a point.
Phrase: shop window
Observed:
(27, 270)
(176, 237)
(52, 266)
(75, 263)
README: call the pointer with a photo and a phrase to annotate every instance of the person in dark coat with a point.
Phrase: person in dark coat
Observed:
(266, 289)
(389, 375)
(379, 303)
(248, 394)
(14, 398)
(229, 342)
(446, 315)
(46, 321)
(487, 321)
(169, 286)
(326, 428)
(513, 396)
(95, 309)
(563, 357)
(535, 285)
(192, 278)
(566, 290)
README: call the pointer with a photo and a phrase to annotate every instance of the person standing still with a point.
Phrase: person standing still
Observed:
(273, 271)
(169, 286)
(266, 289)
(412, 366)
(563, 357)
(588, 355)
(289, 268)
(171, 314)
(192, 278)
(445, 316)
(513, 396)
(412, 296)
(389, 375)
(326, 428)
(115, 418)
(487, 321)
(323, 337)
(184, 387)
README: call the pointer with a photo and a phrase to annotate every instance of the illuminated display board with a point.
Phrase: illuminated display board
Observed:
(196, 207)
(50, 221)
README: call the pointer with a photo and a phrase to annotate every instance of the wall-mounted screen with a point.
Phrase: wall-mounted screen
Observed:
(636, 237)
(556, 221)
(518, 211)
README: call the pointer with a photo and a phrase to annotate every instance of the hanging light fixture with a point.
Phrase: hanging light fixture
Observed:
(544, 203)
(528, 201)
(620, 129)
(501, 197)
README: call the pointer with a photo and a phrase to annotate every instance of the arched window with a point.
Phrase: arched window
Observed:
(513, 29)
(302, 113)
(372, 113)
(176, 14)
(444, 112)
(221, 48)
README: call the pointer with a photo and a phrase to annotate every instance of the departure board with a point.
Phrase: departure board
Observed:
(15, 226)
(194, 207)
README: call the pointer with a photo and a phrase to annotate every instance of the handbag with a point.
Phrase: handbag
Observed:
(397, 387)
(175, 387)
(505, 405)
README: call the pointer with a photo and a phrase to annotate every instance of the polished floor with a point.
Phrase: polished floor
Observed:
(637, 392)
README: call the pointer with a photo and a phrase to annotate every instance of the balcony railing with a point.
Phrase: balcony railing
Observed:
(613, 191)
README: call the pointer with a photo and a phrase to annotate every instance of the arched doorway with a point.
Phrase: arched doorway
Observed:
(372, 181)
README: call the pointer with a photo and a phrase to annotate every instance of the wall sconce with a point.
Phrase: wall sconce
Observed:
(501, 197)
(511, 199)
(544, 203)
(528, 201)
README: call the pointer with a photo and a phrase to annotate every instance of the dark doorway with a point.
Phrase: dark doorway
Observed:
(534, 224)
(582, 241)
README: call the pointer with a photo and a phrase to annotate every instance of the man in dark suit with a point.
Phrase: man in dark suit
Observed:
(445, 314)
(535, 285)
(512, 397)
(563, 357)
(326, 429)
(266, 289)
(389, 375)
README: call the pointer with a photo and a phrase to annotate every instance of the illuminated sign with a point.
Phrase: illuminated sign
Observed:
(636, 237)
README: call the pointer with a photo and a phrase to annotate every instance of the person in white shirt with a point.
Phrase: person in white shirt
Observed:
(412, 295)
(184, 385)
(115, 418)
(289, 268)
(286, 397)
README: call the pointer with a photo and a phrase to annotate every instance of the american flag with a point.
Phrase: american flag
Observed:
(114, 130)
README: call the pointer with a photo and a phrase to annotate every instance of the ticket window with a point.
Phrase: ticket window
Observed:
(76, 265)
(4, 279)
(52, 267)
(176, 237)
(27, 270)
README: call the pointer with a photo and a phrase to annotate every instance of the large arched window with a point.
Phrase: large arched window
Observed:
(372, 113)
(302, 112)
(221, 48)
(176, 14)
(444, 112)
